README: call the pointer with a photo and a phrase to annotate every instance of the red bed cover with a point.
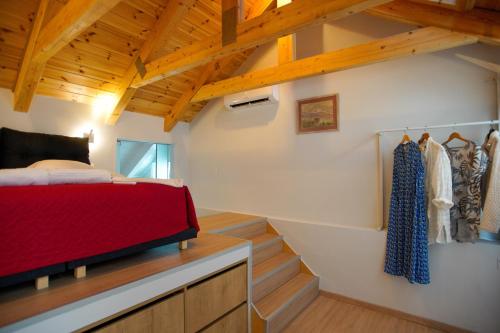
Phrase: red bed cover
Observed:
(47, 225)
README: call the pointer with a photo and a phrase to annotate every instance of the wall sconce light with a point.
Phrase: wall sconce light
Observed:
(89, 135)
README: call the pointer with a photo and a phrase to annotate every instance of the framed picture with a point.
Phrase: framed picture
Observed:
(318, 114)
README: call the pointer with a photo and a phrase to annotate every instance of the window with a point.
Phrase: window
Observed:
(144, 159)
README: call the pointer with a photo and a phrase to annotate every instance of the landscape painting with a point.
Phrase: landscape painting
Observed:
(318, 114)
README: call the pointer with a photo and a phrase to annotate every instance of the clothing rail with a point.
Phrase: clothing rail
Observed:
(380, 158)
(403, 129)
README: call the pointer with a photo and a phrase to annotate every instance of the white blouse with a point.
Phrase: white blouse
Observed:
(491, 211)
(438, 184)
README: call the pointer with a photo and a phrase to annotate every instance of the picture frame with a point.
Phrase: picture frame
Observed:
(318, 114)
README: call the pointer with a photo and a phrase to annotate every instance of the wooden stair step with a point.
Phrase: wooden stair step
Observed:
(273, 273)
(281, 306)
(220, 222)
(265, 246)
(262, 239)
(224, 222)
(272, 302)
(272, 264)
(247, 229)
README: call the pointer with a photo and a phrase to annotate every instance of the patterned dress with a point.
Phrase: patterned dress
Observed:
(468, 168)
(407, 246)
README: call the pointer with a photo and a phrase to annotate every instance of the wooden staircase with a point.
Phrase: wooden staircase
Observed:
(282, 284)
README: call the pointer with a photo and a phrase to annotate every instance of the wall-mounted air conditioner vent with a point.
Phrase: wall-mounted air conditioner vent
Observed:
(252, 98)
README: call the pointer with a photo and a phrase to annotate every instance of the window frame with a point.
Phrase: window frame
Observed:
(171, 145)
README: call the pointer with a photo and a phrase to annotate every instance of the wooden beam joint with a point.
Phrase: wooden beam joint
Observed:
(230, 14)
(211, 70)
(139, 66)
(286, 44)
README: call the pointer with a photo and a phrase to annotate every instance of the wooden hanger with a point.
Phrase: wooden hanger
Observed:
(455, 135)
(424, 138)
(406, 138)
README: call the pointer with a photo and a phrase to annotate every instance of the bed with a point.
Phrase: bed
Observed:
(49, 229)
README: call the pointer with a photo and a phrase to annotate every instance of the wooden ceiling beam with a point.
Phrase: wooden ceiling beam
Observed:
(286, 44)
(230, 17)
(30, 72)
(286, 49)
(482, 23)
(75, 17)
(425, 40)
(43, 43)
(210, 70)
(164, 27)
(253, 32)
(172, 116)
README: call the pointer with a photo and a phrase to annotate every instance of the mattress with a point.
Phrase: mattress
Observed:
(42, 226)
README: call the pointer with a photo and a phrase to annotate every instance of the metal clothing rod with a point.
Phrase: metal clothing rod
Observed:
(403, 129)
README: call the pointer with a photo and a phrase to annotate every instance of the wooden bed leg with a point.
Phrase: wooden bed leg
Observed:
(183, 245)
(80, 272)
(42, 282)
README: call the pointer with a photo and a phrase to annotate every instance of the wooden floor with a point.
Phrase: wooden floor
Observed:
(326, 314)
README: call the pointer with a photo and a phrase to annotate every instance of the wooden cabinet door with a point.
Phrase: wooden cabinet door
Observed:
(214, 297)
(235, 321)
(164, 316)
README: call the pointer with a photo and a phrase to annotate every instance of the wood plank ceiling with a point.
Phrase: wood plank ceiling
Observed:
(95, 62)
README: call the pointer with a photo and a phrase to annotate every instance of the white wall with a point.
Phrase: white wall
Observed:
(256, 163)
(326, 177)
(49, 115)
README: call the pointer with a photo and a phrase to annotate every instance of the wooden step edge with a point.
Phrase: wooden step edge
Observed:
(238, 226)
(289, 262)
(259, 325)
(266, 252)
(287, 248)
(311, 284)
(303, 266)
(274, 282)
(257, 311)
(284, 317)
(267, 242)
(305, 269)
(271, 229)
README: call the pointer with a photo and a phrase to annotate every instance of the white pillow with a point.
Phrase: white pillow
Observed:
(60, 164)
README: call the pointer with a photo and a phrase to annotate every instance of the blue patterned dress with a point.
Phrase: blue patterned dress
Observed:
(407, 247)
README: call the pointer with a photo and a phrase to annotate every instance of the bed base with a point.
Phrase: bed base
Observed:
(42, 282)
(79, 267)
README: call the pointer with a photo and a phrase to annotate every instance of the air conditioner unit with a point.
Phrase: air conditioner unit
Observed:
(252, 99)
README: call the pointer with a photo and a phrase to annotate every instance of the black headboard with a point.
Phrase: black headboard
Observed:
(21, 149)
